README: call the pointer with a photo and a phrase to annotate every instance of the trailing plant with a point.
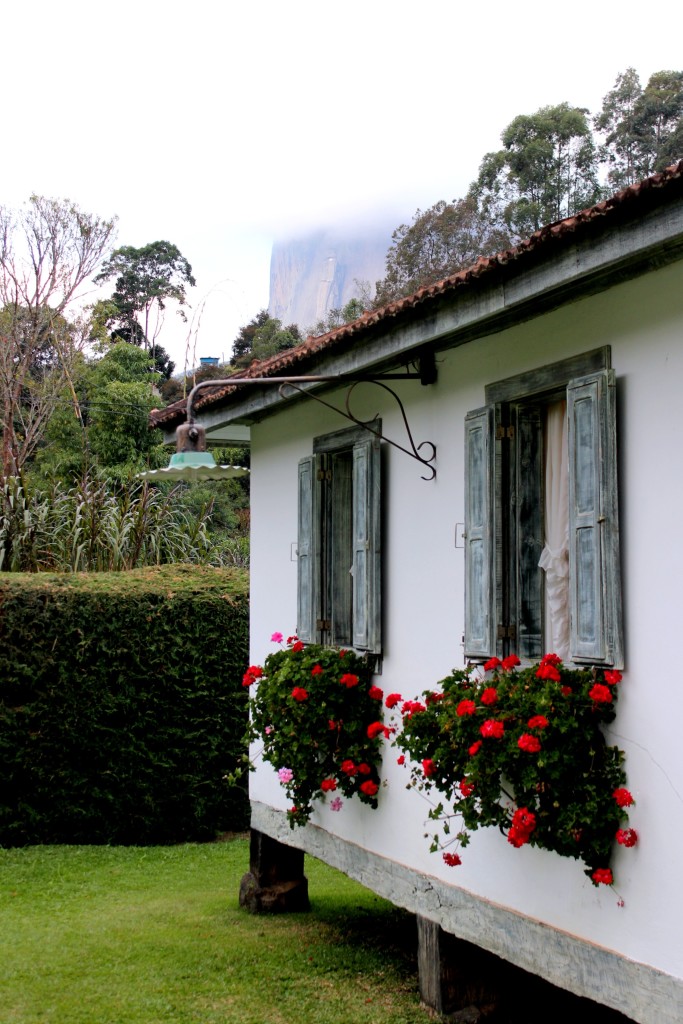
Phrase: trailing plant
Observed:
(319, 720)
(521, 749)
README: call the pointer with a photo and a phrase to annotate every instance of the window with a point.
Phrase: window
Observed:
(339, 569)
(541, 519)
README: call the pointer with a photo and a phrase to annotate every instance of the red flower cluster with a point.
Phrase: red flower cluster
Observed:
(627, 836)
(623, 797)
(547, 668)
(348, 679)
(327, 785)
(428, 767)
(602, 876)
(475, 748)
(369, 787)
(452, 859)
(298, 646)
(600, 694)
(613, 677)
(349, 767)
(317, 670)
(523, 824)
(489, 696)
(466, 788)
(374, 729)
(465, 707)
(364, 769)
(401, 759)
(412, 707)
(491, 664)
(538, 722)
(393, 699)
(253, 673)
(298, 693)
(375, 693)
(492, 729)
(531, 744)
(434, 698)
(512, 661)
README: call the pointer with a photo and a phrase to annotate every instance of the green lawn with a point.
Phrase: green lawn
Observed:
(134, 935)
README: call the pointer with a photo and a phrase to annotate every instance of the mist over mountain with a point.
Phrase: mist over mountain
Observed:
(316, 272)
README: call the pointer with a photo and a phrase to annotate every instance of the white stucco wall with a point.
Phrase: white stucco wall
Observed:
(424, 611)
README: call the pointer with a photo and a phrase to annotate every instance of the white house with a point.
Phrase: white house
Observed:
(583, 321)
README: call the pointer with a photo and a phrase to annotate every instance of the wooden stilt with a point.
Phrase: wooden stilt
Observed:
(275, 882)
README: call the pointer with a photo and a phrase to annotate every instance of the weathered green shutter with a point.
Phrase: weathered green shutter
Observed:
(480, 639)
(595, 587)
(308, 552)
(341, 549)
(367, 568)
(527, 541)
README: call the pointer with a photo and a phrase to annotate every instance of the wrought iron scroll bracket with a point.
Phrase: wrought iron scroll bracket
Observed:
(413, 451)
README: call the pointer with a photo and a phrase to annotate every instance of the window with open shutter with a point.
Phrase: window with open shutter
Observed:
(542, 555)
(339, 572)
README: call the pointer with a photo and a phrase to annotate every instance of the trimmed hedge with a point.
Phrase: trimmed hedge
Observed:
(121, 705)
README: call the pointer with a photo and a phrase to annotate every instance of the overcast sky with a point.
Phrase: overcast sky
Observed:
(221, 126)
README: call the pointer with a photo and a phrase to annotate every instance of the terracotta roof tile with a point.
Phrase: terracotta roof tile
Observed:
(630, 202)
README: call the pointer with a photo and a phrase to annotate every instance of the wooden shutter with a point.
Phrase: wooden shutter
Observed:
(367, 610)
(526, 604)
(340, 511)
(479, 535)
(595, 579)
(308, 554)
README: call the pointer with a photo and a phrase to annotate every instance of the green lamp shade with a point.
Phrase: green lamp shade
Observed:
(193, 466)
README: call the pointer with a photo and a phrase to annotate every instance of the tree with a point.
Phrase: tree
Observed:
(337, 317)
(146, 279)
(47, 252)
(444, 239)
(546, 170)
(617, 123)
(262, 337)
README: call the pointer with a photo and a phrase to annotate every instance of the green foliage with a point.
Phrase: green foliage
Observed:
(262, 337)
(312, 709)
(121, 709)
(93, 527)
(337, 317)
(563, 774)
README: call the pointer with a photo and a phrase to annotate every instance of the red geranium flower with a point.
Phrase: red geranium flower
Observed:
(317, 670)
(331, 724)
(401, 759)
(566, 690)
(600, 694)
(374, 729)
(375, 693)
(475, 748)
(548, 671)
(349, 680)
(428, 767)
(298, 646)
(530, 743)
(434, 698)
(493, 729)
(364, 768)
(613, 677)
(466, 788)
(627, 836)
(348, 767)
(489, 696)
(538, 722)
(393, 699)
(602, 876)
(412, 707)
(510, 662)
(623, 797)
(369, 787)
(523, 824)
(551, 659)
(491, 664)
(465, 707)
(452, 859)
(327, 785)
(298, 693)
(253, 673)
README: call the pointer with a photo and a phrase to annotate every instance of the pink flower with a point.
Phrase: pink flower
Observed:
(510, 662)
(489, 696)
(336, 804)
(327, 785)
(491, 664)
(375, 693)
(493, 729)
(602, 876)
(349, 680)
(268, 729)
(452, 859)
(613, 677)
(369, 787)
(465, 707)
(530, 743)
(623, 797)
(600, 694)
(317, 670)
(277, 638)
(627, 836)
(285, 775)
(298, 693)
(393, 699)
(428, 767)
(538, 722)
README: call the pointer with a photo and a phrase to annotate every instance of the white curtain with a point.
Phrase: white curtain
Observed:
(554, 558)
